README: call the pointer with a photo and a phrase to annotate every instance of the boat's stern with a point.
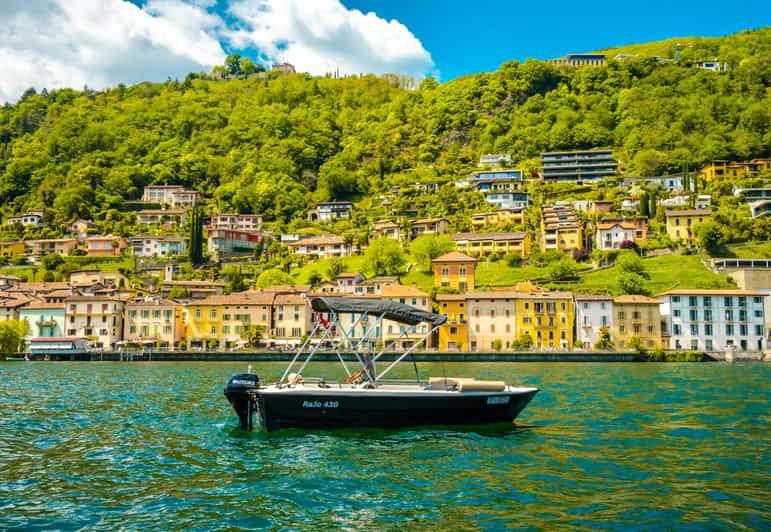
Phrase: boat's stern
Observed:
(241, 392)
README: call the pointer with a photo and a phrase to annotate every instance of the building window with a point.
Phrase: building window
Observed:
(758, 330)
(694, 329)
(198, 314)
(691, 301)
(213, 330)
(676, 329)
(707, 301)
(707, 315)
(708, 329)
(694, 314)
(729, 330)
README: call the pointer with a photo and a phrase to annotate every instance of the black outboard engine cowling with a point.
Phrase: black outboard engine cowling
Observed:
(241, 391)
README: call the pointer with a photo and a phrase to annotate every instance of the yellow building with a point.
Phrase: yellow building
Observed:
(547, 318)
(636, 317)
(497, 218)
(681, 224)
(10, 250)
(484, 244)
(453, 334)
(227, 320)
(561, 230)
(160, 321)
(717, 170)
(454, 270)
(37, 249)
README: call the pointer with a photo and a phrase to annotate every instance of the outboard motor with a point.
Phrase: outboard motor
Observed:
(241, 391)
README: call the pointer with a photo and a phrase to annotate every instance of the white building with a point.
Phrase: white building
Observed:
(241, 222)
(158, 246)
(702, 201)
(28, 219)
(712, 66)
(95, 317)
(174, 195)
(325, 246)
(494, 159)
(330, 211)
(592, 313)
(715, 320)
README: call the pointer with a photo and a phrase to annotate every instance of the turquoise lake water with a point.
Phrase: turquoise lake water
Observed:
(155, 445)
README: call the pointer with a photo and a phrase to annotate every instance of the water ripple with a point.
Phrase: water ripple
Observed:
(640, 446)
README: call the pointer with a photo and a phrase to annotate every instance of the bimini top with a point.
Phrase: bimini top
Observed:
(391, 310)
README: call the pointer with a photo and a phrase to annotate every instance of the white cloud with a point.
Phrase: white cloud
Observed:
(320, 36)
(99, 43)
(65, 43)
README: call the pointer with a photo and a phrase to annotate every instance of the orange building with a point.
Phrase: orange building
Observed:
(454, 270)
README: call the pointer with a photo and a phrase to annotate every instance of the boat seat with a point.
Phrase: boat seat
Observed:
(465, 385)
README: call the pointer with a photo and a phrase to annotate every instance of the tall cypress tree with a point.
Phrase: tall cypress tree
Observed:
(195, 251)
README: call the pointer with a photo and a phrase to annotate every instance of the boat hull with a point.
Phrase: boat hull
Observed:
(317, 409)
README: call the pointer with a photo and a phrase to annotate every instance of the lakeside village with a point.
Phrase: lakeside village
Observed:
(550, 232)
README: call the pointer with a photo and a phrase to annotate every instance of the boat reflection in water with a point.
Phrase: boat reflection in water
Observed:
(367, 398)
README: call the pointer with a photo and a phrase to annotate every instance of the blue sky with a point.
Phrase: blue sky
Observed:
(100, 43)
(471, 36)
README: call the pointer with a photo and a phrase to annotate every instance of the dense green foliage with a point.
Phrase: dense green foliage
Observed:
(272, 144)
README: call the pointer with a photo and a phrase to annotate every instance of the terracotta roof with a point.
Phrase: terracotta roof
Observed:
(13, 302)
(454, 256)
(516, 294)
(626, 224)
(426, 221)
(712, 292)
(289, 299)
(250, 297)
(593, 297)
(517, 235)
(194, 283)
(42, 287)
(399, 290)
(41, 305)
(636, 299)
(688, 212)
(151, 212)
(450, 297)
(318, 240)
(96, 298)
(344, 275)
(155, 302)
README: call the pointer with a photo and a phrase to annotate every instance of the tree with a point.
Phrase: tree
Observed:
(195, 247)
(631, 283)
(711, 236)
(314, 279)
(51, 261)
(273, 277)
(426, 248)
(12, 336)
(497, 344)
(336, 267)
(604, 343)
(563, 270)
(384, 256)
(233, 64)
(631, 263)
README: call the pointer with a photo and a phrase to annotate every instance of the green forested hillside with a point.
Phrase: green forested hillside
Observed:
(273, 144)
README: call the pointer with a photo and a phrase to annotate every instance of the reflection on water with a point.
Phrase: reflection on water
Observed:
(614, 445)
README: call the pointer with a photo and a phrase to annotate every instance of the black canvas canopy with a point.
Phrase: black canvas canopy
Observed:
(390, 310)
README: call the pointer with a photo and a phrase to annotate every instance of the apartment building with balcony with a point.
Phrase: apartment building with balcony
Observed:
(715, 320)
(578, 166)
(593, 312)
(167, 218)
(453, 334)
(35, 250)
(501, 217)
(515, 243)
(561, 229)
(27, 219)
(240, 222)
(160, 322)
(501, 188)
(44, 320)
(324, 246)
(98, 318)
(158, 245)
(636, 317)
(175, 196)
(330, 211)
